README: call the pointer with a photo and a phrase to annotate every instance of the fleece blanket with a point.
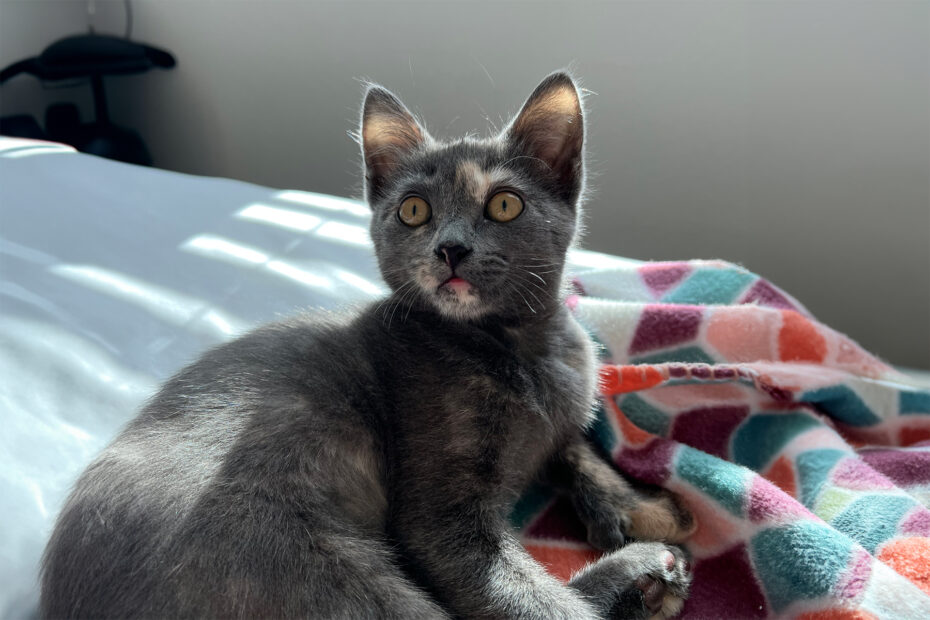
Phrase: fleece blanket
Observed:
(804, 459)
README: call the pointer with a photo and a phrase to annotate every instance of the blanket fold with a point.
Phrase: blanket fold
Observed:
(805, 460)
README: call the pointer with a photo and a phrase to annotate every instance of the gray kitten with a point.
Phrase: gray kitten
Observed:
(364, 468)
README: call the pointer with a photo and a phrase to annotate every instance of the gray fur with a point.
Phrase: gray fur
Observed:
(364, 467)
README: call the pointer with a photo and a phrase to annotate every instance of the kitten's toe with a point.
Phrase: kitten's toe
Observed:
(665, 588)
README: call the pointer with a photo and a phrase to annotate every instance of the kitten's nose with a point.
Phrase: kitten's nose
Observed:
(452, 254)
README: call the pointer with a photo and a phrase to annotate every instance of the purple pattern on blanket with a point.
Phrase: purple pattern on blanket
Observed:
(663, 276)
(906, 468)
(765, 294)
(855, 474)
(663, 326)
(709, 428)
(724, 587)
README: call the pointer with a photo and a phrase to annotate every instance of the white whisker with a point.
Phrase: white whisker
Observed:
(526, 290)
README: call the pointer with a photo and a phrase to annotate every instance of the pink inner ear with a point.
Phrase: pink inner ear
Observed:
(386, 138)
(390, 131)
(550, 126)
(554, 144)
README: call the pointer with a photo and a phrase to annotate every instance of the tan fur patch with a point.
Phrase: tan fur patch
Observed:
(658, 520)
(475, 180)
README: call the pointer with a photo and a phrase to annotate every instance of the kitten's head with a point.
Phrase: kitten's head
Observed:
(476, 228)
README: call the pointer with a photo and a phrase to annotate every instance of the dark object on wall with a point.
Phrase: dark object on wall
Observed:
(21, 126)
(92, 56)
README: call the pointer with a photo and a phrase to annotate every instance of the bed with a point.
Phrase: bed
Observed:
(114, 276)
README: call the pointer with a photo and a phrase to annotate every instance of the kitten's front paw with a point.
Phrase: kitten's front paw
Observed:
(642, 580)
(665, 586)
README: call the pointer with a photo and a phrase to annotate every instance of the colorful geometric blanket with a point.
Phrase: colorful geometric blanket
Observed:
(805, 460)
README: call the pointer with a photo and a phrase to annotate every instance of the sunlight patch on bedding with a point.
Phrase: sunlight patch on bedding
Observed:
(168, 305)
(40, 501)
(221, 248)
(347, 233)
(325, 201)
(78, 433)
(161, 302)
(8, 143)
(300, 275)
(359, 282)
(283, 218)
(29, 151)
(223, 323)
(224, 249)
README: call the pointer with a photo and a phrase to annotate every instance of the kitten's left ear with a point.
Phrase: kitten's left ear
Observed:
(389, 133)
(550, 128)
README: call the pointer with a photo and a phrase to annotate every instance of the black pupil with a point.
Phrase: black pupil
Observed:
(503, 205)
(413, 210)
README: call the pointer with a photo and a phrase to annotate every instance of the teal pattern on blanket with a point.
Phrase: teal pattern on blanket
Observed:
(873, 519)
(724, 482)
(711, 286)
(644, 415)
(763, 435)
(813, 469)
(842, 404)
(799, 561)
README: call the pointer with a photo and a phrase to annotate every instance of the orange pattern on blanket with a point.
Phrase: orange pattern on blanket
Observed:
(561, 562)
(781, 474)
(800, 340)
(631, 433)
(625, 379)
(911, 558)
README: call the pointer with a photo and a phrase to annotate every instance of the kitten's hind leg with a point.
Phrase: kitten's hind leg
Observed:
(340, 578)
(612, 508)
(260, 555)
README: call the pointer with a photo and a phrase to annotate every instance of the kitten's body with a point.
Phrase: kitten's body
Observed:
(366, 468)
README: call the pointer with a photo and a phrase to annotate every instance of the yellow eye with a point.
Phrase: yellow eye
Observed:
(414, 211)
(504, 206)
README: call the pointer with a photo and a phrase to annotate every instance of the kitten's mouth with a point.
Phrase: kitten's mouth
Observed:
(457, 284)
(458, 298)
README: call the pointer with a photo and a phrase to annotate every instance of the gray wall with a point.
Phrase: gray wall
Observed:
(791, 137)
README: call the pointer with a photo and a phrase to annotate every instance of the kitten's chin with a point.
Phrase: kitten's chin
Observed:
(456, 298)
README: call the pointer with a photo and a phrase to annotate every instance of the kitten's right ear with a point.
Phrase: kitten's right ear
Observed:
(550, 129)
(389, 133)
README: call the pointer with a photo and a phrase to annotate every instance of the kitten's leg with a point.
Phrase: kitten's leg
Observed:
(479, 570)
(470, 559)
(466, 554)
(611, 507)
(275, 563)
